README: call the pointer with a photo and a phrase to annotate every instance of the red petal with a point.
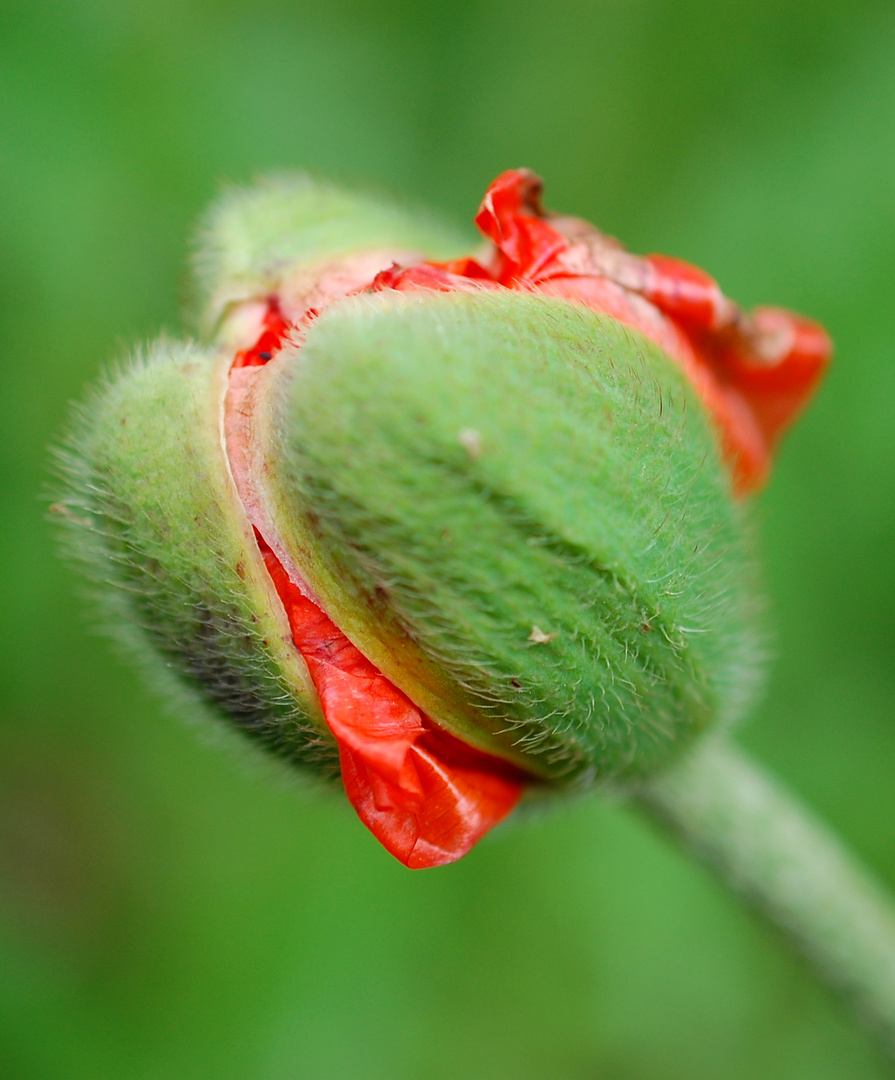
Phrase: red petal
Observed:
(275, 330)
(463, 275)
(777, 387)
(753, 389)
(685, 292)
(425, 795)
(510, 216)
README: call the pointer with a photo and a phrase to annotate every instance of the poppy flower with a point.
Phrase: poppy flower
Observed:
(458, 530)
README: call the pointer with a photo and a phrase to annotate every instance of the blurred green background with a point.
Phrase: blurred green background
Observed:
(169, 909)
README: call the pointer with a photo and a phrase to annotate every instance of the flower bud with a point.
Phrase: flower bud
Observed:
(462, 531)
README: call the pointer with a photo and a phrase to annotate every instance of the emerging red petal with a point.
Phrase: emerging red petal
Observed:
(754, 372)
(511, 216)
(269, 341)
(778, 386)
(685, 292)
(425, 795)
(463, 275)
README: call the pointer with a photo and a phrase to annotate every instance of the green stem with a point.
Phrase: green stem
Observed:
(772, 851)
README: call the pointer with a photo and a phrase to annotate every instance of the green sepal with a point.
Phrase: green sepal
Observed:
(155, 514)
(516, 509)
(254, 240)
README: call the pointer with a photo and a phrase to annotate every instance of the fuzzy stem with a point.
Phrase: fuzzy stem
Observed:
(772, 851)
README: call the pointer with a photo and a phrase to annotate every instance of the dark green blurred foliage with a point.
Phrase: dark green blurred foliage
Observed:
(169, 910)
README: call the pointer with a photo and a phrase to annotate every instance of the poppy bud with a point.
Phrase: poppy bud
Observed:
(460, 531)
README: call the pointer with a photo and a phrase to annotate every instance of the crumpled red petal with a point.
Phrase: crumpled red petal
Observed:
(510, 215)
(755, 373)
(426, 796)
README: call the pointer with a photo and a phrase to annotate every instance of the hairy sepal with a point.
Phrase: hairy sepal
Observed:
(287, 232)
(516, 509)
(153, 511)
